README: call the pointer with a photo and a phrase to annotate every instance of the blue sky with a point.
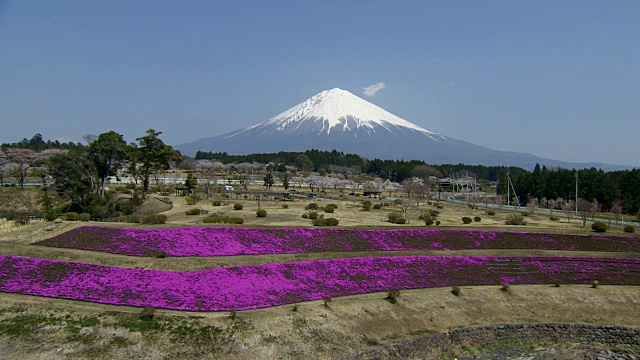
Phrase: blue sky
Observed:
(560, 79)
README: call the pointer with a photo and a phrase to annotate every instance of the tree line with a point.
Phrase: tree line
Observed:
(609, 189)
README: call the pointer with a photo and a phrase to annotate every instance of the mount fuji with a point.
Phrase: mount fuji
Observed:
(337, 119)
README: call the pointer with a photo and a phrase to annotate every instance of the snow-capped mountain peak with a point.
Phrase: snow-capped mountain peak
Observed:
(339, 110)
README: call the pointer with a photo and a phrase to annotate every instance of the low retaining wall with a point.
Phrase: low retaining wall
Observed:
(477, 336)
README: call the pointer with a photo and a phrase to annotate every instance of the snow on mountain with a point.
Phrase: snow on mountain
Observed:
(339, 110)
(338, 120)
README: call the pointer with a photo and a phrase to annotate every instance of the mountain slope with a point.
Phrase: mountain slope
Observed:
(337, 119)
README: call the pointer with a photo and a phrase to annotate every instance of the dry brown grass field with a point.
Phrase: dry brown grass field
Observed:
(39, 328)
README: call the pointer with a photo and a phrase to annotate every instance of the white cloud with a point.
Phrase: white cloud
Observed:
(371, 90)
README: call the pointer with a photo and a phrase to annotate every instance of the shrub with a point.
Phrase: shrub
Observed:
(84, 217)
(428, 220)
(191, 200)
(223, 220)
(261, 213)
(331, 222)
(285, 206)
(439, 206)
(333, 205)
(456, 291)
(629, 229)
(71, 216)
(393, 217)
(194, 211)
(595, 284)
(466, 220)
(504, 287)
(157, 254)
(325, 222)
(433, 213)
(515, 219)
(392, 295)
(491, 212)
(217, 203)
(147, 313)
(329, 209)
(313, 215)
(312, 206)
(599, 227)
(554, 218)
(437, 222)
(51, 214)
(366, 205)
(23, 219)
(237, 206)
(401, 220)
(305, 216)
(377, 206)
(155, 219)
(477, 218)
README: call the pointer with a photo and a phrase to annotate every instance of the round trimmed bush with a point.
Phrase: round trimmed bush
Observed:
(599, 227)
(305, 216)
(329, 209)
(401, 220)
(377, 206)
(217, 203)
(477, 219)
(366, 205)
(237, 206)
(312, 206)
(491, 212)
(71, 216)
(554, 218)
(194, 211)
(466, 220)
(155, 219)
(84, 217)
(629, 229)
(261, 213)
(428, 220)
(285, 206)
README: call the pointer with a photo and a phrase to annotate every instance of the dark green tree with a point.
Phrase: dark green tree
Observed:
(268, 180)
(153, 156)
(107, 153)
(190, 183)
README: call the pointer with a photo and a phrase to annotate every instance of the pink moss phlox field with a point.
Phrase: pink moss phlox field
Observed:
(220, 241)
(250, 287)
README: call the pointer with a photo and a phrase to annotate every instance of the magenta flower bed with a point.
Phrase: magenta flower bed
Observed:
(216, 241)
(249, 287)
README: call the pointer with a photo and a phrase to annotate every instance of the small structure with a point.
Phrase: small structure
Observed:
(181, 191)
(372, 193)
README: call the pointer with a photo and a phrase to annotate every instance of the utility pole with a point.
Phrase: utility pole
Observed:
(576, 192)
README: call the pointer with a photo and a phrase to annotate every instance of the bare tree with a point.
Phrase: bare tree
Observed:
(587, 209)
(22, 160)
(616, 209)
(568, 207)
(532, 204)
(404, 205)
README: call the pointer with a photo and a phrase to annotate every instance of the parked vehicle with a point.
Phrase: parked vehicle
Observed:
(228, 188)
(312, 196)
